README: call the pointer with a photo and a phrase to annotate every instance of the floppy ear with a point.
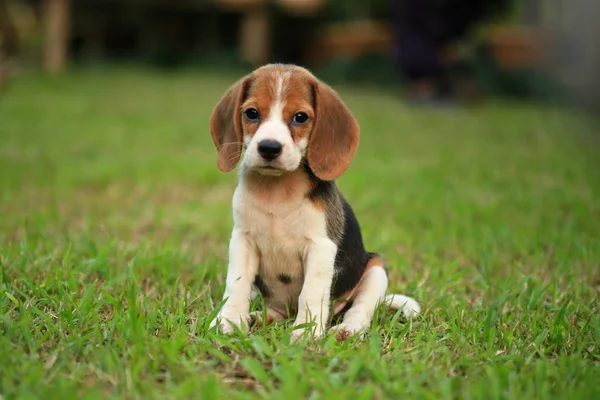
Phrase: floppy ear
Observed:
(226, 127)
(334, 138)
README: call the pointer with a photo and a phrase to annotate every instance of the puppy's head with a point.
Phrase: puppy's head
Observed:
(282, 114)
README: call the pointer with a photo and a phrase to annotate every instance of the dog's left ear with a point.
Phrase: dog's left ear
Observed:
(334, 138)
(226, 127)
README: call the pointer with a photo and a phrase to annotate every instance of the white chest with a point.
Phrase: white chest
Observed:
(281, 232)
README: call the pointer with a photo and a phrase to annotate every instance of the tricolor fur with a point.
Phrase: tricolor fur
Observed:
(295, 238)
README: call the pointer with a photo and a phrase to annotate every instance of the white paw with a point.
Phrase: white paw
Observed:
(227, 322)
(411, 309)
(409, 306)
(348, 329)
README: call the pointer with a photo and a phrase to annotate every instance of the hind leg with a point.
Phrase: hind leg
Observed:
(369, 293)
(409, 306)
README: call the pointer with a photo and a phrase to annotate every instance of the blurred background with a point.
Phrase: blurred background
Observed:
(434, 52)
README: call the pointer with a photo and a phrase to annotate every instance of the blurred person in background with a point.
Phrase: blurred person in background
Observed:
(423, 32)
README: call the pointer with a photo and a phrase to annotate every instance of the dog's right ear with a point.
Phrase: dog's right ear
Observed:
(335, 135)
(226, 126)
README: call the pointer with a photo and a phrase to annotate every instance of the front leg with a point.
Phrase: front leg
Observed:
(313, 303)
(243, 267)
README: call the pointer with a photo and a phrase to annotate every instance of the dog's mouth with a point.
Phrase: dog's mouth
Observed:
(269, 170)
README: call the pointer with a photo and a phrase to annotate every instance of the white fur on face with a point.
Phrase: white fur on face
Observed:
(275, 128)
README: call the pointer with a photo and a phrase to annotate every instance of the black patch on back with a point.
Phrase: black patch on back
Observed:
(327, 194)
(284, 278)
(351, 258)
(321, 188)
(262, 288)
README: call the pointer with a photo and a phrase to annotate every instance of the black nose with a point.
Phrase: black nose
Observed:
(269, 149)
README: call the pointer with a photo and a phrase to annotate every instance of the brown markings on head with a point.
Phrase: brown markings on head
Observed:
(335, 135)
(225, 125)
(260, 96)
(331, 130)
(280, 85)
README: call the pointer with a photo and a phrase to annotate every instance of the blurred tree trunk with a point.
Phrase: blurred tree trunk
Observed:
(9, 37)
(57, 18)
(256, 36)
(9, 43)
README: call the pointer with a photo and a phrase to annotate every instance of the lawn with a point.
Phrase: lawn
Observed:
(114, 223)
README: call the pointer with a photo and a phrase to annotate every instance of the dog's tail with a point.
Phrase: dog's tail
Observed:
(409, 306)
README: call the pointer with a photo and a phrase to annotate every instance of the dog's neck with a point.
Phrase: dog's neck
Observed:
(290, 188)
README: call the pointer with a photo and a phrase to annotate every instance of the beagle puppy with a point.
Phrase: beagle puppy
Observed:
(295, 239)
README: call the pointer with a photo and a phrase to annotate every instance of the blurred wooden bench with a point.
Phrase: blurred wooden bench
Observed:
(511, 47)
(351, 40)
(517, 47)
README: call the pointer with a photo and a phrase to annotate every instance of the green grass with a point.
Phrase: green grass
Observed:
(114, 223)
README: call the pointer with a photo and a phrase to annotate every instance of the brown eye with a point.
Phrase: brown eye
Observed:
(300, 118)
(252, 115)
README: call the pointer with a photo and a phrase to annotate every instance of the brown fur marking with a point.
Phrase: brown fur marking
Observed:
(295, 95)
(286, 189)
(335, 136)
(375, 261)
(225, 125)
